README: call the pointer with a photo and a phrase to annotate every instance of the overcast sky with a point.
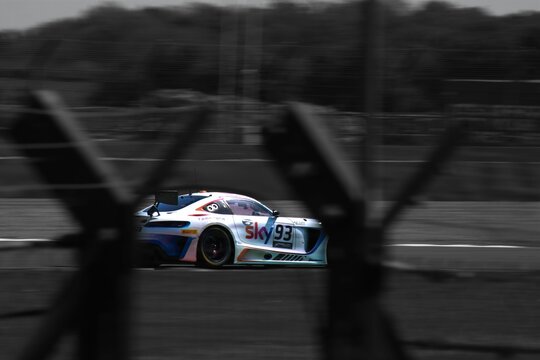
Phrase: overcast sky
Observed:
(22, 14)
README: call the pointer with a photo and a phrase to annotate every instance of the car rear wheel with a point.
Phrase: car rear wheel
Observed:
(215, 248)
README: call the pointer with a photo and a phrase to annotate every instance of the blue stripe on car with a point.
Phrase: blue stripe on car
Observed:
(318, 243)
(172, 245)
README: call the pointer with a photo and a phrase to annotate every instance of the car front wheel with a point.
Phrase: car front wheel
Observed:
(215, 248)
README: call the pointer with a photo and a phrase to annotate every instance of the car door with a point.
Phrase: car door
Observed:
(256, 225)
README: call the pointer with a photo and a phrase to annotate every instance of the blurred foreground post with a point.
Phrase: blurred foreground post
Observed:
(371, 89)
(95, 304)
(357, 327)
(97, 301)
(306, 156)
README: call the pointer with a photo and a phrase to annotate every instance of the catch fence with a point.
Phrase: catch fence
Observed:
(461, 183)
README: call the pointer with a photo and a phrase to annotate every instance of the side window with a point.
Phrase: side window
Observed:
(217, 207)
(239, 207)
(259, 210)
(248, 208)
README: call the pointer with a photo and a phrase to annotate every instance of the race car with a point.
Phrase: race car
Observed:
(213, 229)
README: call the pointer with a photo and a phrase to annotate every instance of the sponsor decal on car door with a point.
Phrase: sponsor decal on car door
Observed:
(265, 231)
(257, 225)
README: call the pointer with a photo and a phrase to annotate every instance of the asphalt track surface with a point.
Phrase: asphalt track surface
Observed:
(462, 272)
(433, 235)
(468, 235)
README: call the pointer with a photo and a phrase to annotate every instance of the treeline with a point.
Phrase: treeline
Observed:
(313, 53)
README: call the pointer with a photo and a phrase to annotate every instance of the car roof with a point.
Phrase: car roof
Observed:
(210, 196)
(217, 194)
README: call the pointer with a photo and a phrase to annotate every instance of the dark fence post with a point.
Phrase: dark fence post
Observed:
(96, 302)
(357, 326)
(100, 307)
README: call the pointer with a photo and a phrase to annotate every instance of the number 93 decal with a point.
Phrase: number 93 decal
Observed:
(283, 232)
(280, 232)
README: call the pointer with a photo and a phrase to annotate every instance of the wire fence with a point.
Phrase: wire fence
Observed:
(450, 224)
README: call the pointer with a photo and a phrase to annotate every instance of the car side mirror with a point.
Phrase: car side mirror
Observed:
(275, 213)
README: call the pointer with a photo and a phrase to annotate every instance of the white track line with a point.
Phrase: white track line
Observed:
(12, 157)
(25, 240)
(462, 246)
(181, 160)
(392, 245)
(390, 161)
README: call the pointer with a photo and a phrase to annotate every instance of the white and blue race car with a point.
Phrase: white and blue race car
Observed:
(213, 229)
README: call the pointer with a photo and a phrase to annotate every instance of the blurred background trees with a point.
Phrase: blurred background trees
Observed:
(287, 51)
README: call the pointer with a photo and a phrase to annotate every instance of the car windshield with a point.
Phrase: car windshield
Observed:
(183, 201)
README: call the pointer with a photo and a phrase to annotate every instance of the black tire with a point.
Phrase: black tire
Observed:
(215, 248)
